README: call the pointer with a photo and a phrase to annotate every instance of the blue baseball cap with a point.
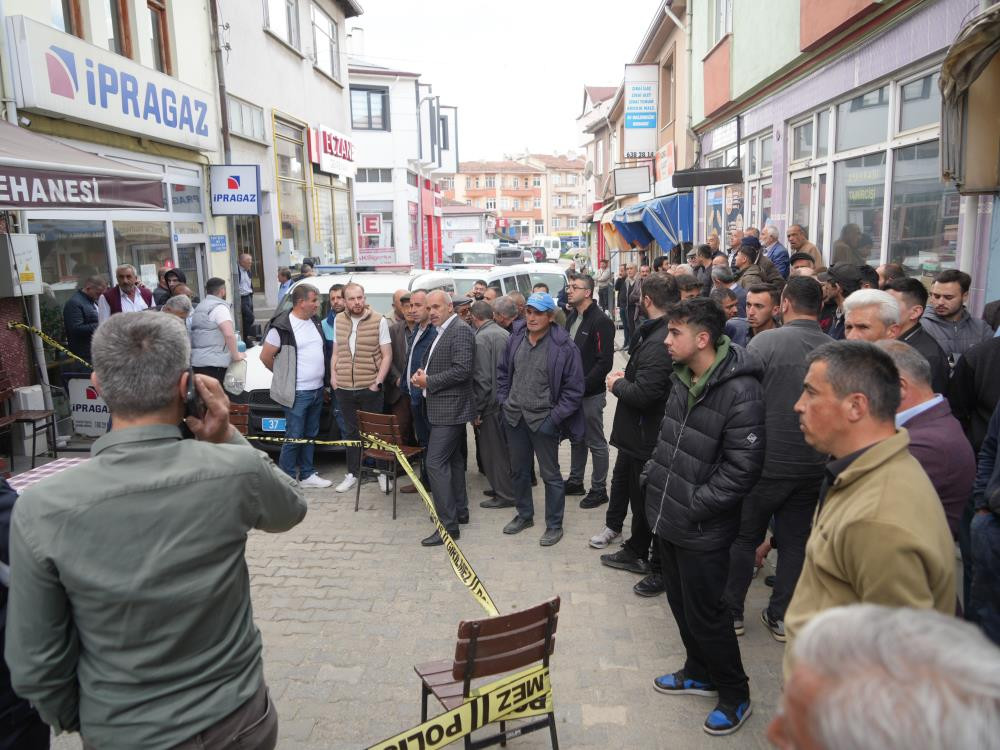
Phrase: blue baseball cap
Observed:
(541, 302)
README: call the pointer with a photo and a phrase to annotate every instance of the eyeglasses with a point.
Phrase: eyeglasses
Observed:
(578, 288)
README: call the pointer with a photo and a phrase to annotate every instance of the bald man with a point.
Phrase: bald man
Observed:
(246, 291)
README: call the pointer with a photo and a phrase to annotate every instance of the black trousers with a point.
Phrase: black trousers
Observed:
(446, 468)
(219, 373)
(695, 581)
(625, 493)
(351, 402)
(246, 308)
(792, 503)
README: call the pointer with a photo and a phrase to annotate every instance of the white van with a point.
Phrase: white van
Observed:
(552, 246)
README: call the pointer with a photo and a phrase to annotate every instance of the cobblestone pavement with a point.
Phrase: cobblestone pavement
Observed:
(347, 603)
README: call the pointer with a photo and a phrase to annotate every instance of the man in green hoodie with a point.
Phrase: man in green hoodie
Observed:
(709, 453)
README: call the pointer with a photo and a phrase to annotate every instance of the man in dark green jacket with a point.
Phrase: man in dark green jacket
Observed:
(129, 617)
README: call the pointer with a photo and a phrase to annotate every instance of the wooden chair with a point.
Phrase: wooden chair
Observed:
(40, 420)
(239, 417)
(493, 646)
(385, 428)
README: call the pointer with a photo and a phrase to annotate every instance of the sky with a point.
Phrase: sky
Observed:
(515, 69)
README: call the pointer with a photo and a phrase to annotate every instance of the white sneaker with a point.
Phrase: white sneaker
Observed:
(315, 481)
(349, 481)
(602, 540)
(384, 483)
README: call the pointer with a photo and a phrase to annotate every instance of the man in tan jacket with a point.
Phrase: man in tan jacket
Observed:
(879, 534)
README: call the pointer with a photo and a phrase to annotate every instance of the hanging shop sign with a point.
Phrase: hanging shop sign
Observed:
(332, 151)
(235, 189)
(641, 92)
(22, 187)
(371, 224)
(62, 75)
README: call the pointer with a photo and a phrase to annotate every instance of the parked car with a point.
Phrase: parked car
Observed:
(505, 279)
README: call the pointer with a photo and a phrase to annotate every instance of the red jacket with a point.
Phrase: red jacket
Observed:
(114, 297)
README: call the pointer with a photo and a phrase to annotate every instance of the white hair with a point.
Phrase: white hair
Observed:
(683, 268)
(888, 306)
(179, 303)
(899, 679)
(772, 231)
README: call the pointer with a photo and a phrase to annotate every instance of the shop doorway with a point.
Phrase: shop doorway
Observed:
(246, 239)
(191, 260)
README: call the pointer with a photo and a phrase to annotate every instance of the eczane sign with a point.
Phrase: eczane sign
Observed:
(59, 74)
(332, 151)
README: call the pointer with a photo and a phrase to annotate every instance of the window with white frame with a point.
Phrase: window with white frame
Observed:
(571, 223)
(491, 203)
(447, 183)
(722, 19)
(536, 181)
(556, 179)
(282, 20)
(556, 222)
(245, 119)
(571, 180)
(325, 44)
(536, 203)
(505, 204)
(491, 181)
(517, 204)
(557, 201)
(539, 227)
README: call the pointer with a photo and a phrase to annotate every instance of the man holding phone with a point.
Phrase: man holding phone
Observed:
(121, 582)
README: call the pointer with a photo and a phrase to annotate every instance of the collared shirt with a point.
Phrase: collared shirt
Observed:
(529, 394)
(246, 286)
(421, 341)
(283, 288)
(907, 414)
(440, 332)
(833, 470)
(139, 554)
(129, 304)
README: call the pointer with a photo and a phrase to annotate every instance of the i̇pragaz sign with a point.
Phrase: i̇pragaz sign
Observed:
(61, 75)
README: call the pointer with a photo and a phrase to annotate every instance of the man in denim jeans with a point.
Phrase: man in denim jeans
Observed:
(293, 351)
(540, 390)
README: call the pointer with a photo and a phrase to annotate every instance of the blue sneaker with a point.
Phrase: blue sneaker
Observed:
(678, 684)
(725, 720)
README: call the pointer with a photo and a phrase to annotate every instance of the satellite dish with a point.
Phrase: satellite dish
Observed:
(588, 171)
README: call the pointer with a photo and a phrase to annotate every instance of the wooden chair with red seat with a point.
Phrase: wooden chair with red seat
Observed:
(239, 417)
(40, 420)
(488, 647)
(385, 428)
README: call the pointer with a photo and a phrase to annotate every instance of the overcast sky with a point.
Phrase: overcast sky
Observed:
(515, 69)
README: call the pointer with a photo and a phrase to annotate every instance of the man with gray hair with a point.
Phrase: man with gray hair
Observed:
(868, 543)
(505, 313)
(724, 278)
(868, 677)
(139, 553)
(936, 437)
(180, 306)
(128, 295)
(871, 315)
(773, 249)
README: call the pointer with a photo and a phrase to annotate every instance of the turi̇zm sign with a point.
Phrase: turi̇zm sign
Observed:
(235, 189)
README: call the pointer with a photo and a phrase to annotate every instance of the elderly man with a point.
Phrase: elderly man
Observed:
(871, 315)
(867, 544)
(604, 285)
(80, 316)
(153, 577)
(724, 278)
(180, 306)
(418, 341)
(359, 366)
(213, 337)
(798, 242)
(491, 340)
(245, 264)
(540, 387)
(857, 666)
(505, 313)
(936, 437)
(293, 350)
(446, 382)
(399, 305)
(284, 283)
(773, 249)
(126, 296)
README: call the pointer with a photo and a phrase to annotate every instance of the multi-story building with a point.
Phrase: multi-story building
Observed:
(563, 192)
(514, 190)
(840, 129)
(404, 137)
(290, 112)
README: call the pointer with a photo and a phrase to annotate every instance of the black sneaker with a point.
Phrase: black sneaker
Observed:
(490, 493)
(626, 559)
(651, 585)
(495, 502)
(575, 488)
(594, 499)
(769, 581)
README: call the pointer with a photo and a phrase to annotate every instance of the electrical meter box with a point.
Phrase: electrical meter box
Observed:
(20, 269)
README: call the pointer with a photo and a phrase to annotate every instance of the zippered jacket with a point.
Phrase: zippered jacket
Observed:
(595, 338)
(709, 453)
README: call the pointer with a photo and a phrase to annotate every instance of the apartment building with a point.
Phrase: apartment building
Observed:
(563, 192)
(516, 191)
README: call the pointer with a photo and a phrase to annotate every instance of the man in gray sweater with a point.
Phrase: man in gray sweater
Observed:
(790, 480)
(491, 340)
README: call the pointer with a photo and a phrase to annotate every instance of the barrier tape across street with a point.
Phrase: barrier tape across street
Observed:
(14, 325)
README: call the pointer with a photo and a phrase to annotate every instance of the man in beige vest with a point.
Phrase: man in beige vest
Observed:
(362, 356)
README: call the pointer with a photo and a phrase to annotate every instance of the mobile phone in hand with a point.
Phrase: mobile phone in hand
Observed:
(193, 405)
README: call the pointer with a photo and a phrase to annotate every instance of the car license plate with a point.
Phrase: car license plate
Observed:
(273, 424)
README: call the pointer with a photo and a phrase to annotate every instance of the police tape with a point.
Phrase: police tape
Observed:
(462, 567)
(508, 698)
(13, 324)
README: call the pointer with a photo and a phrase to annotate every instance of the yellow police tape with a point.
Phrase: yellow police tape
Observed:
(13, 325)
(462, 567)
(507, 698)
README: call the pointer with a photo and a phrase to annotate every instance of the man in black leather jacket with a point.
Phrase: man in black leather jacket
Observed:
(709, 452)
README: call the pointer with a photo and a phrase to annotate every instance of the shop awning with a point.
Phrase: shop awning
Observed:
(41, 172)
(612, 236)
(670, 219)
(628, 221)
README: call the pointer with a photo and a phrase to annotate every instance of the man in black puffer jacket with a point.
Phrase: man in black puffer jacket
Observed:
(709, 453)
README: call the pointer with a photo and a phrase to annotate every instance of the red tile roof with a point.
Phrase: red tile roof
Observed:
(599, 94)
(493, 167)
(558, 162)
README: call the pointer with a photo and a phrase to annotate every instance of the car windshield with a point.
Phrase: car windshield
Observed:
(464, 286)
(467, 258)
(555, 281)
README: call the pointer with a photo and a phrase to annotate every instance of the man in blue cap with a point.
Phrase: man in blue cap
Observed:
(540, 390)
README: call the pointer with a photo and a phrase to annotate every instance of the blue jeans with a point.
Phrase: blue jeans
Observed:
(301, 421)
(522, 442)
(984, 600)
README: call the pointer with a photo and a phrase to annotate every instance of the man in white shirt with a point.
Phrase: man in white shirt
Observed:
(125, 296)
(213, 338)
(246, 292)
(293, 351)
(362, 357)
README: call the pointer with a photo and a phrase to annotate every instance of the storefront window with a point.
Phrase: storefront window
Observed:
(823, 133)
(342, 225)
(715, 217)
(324, 223)
(801, 201)
(765, 203)
(146, 245)
(920, 102)
(185, 199)
(384, 239)
(766, 152)
(923, 230)
(294, 229)
(863, 120)
(289, 148)
(188, 227)
(858, 203)
(802, 141)
(290, 160)
(821, 214)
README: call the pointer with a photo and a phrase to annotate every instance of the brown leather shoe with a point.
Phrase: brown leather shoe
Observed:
(408, 489)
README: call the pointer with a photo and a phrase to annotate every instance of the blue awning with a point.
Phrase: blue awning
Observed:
(628, 221)
(670, 219)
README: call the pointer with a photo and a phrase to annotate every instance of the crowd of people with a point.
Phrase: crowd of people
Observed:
(846, 417)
